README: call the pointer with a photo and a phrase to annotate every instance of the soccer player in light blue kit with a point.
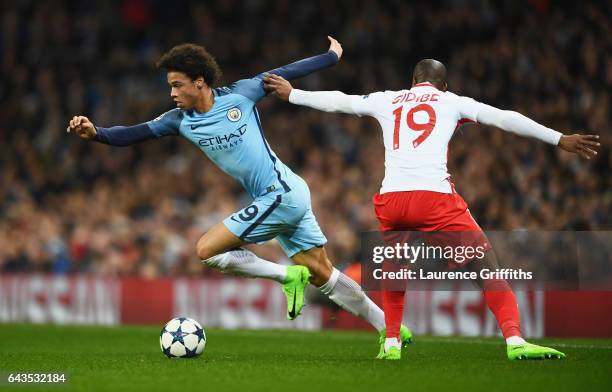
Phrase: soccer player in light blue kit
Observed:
(223, 122)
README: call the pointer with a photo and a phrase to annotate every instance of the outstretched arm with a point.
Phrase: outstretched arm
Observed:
(254, 88)
(309, 65)
(584, 145)
(114, 136)
(124, 136)
(327, 101)
(166, 124)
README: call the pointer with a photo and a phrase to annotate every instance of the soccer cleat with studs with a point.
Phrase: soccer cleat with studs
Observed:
(532, 351)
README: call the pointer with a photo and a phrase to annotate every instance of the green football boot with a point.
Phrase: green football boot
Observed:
(405, 337)
(294, 285)
(393, 354)
(532, 351)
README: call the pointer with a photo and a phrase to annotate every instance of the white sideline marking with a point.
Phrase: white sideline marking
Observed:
(501, 342)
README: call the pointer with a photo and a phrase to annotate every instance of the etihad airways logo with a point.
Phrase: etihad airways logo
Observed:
(224, 142)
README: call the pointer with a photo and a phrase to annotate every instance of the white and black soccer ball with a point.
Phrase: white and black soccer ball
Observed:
(182, 337)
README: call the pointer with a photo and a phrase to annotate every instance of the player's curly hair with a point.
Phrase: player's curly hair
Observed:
(193, 60)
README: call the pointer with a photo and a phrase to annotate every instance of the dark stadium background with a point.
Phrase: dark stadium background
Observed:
(71, 206)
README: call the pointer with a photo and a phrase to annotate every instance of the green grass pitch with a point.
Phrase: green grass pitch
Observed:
(129, 359)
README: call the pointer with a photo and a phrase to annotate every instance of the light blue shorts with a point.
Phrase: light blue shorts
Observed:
(286, 216)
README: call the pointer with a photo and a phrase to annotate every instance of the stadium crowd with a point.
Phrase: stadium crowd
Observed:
(67, 205)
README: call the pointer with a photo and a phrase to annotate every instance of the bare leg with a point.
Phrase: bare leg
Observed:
(219, 249)
(217, 240)
(317, 262)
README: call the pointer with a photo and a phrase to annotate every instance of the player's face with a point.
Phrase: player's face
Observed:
(183, 90)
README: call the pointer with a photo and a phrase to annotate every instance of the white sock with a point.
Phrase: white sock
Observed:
(392, 342)
(514, 340)
(242, 262)
(350, 296)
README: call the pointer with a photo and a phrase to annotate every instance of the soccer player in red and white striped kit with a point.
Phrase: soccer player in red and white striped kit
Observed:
(417, 193)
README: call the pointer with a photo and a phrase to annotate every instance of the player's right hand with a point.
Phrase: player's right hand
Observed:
(277, 85)
(335, 46)
(82, 127)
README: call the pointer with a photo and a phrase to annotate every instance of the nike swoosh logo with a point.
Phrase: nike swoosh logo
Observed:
(196, 126)
(234, 219)
(292, 313)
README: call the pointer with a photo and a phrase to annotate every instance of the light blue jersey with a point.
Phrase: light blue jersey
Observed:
(231, 135)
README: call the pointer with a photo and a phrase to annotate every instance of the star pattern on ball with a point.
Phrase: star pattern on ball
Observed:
(191, 353)
(167, 352)
(177, 336)
(200, 334)
(185, 324)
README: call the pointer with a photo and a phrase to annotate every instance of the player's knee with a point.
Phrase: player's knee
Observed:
(204, 250)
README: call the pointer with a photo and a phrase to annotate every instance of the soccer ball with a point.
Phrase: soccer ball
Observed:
(182, 337)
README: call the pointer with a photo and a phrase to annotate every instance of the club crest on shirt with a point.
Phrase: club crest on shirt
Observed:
(234, 114)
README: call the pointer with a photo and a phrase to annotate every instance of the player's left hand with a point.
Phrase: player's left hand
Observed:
(584, 145)
(277, 85)
(335, 46)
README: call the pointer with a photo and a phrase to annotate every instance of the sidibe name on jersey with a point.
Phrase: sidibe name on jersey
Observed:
(412, 97)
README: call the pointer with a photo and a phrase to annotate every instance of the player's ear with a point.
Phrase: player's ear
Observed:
(199, 82)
